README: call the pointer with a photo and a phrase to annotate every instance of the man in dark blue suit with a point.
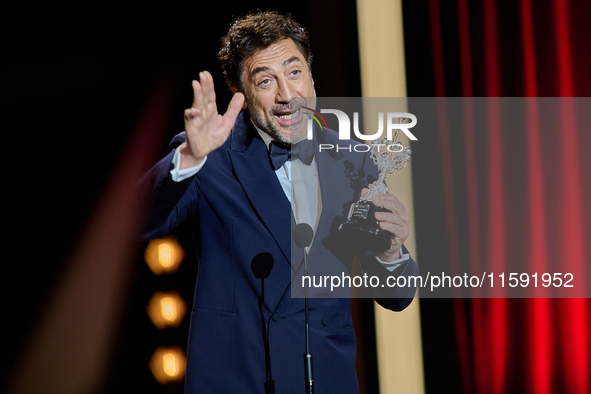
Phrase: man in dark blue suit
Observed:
(247, 322)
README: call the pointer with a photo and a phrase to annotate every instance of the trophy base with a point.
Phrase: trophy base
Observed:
(363, 230)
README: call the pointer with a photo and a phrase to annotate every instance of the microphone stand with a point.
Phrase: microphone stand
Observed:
(302, 235)
(261, 266)
(308, 370)
(269, 383)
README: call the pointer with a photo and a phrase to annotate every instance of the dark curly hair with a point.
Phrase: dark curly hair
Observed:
(254, 32)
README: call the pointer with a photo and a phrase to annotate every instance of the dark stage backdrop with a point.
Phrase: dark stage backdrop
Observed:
(496, 199)
(82, 77)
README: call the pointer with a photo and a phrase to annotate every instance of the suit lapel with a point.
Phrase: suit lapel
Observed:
(251, 165)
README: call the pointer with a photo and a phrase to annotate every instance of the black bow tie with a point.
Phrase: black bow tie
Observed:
(279, 153)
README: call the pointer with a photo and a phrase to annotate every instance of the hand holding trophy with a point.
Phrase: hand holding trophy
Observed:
(361, 227)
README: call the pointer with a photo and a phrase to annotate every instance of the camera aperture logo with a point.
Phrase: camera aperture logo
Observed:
(392, 125)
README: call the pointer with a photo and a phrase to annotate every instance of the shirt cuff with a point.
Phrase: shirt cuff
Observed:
(180, 175)
(392, 265)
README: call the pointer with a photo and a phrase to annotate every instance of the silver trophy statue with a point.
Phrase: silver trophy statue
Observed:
(361, 227)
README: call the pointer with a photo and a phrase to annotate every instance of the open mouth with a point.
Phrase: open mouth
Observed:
(288, 117)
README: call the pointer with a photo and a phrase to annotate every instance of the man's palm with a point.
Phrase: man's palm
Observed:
(206, 129)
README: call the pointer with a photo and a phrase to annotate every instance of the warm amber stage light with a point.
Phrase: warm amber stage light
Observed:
(166, 309)
(164, 255)
(168, 364)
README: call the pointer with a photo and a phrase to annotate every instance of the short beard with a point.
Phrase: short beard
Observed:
(273, 129)
(267, 126)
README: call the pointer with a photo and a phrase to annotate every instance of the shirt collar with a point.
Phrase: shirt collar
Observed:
(264, 136)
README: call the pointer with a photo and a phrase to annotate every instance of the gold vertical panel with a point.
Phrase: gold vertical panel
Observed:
(381, 48)
(381, 52)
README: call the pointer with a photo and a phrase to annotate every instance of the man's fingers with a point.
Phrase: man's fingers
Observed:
(192, 113)
(234, 108)
(387, 199)
(207, 86)
(390, 202)
(197, 95)
(397, 220)
(390, 218)
(399, 232)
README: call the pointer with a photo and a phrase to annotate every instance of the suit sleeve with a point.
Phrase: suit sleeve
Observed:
(163, 202)
(399, 285)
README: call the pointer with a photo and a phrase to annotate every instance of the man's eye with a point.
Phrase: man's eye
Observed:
(296, 72)
(264, 82)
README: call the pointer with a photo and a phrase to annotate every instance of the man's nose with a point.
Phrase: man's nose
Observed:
(285, 91)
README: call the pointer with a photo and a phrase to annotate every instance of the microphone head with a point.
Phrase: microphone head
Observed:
(262, 264)
(303, 234)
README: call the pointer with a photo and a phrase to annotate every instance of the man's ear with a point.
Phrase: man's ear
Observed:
(235, 90)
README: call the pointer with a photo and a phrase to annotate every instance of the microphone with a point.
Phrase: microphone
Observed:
(261, 266)
(302, 235)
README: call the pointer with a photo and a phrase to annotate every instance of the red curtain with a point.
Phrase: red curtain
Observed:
(531, 49)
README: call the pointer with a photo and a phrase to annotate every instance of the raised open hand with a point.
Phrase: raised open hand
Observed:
(206, 129)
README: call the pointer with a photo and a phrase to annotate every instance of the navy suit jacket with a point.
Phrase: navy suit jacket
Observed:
(237, 209)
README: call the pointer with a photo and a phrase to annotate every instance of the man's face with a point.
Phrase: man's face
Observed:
(277, 84)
